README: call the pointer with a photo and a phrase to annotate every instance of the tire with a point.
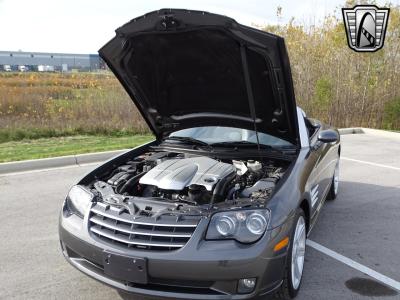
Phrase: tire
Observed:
(292, 283)
(334, 189)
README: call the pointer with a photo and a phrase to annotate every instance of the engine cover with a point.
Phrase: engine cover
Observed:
(176, 174)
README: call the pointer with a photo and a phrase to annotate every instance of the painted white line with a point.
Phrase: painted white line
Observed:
(355, 265)
(371, 163)
(48, 169)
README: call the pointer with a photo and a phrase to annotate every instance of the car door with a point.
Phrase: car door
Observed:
(318, 180)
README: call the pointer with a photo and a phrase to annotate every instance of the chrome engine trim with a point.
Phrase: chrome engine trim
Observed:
(176, 174)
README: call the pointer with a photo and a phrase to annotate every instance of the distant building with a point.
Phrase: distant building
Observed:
(40, 61)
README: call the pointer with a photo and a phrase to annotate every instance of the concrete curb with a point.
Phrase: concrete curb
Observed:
(56, 162)
(377, 132)
(357, 130)
(382, 133)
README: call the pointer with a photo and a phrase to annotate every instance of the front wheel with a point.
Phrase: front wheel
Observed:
(295, 259)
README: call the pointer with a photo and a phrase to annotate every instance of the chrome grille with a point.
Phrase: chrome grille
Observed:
(117, 226)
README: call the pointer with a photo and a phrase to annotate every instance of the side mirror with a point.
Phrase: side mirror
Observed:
(328, 136)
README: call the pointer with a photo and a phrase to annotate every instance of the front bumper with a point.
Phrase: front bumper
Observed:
(200, 270)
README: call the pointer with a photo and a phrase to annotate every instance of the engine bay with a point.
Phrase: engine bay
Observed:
(159, 182)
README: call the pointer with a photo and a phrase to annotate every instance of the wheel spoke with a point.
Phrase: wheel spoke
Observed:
(299, 265)
(336, 179)
(301, 251)
(301, 232)
(296, 269)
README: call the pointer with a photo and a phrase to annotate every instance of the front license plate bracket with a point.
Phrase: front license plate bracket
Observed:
(127, 268)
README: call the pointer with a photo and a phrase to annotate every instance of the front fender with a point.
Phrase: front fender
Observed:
(291, 190)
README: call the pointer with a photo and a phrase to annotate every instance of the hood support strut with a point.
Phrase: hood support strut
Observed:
(250, 97)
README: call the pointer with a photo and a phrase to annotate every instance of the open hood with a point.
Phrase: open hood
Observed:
(187, 69)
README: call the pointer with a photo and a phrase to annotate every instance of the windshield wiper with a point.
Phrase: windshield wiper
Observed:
(187, 140)
(246, 144)
(241, 144)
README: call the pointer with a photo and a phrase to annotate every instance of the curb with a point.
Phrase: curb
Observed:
(56, 162)
(382, 133)
(356, 130)
(376, 132)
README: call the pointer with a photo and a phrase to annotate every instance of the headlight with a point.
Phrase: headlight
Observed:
(225, 225)
(256, 223)
(78, 200)
(245, 226)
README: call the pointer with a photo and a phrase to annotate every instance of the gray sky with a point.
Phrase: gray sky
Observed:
(83, 26)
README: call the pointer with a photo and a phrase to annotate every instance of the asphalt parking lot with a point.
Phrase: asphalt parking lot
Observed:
(362, 225)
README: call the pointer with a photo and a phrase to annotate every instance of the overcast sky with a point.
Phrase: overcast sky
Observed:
(83, 26)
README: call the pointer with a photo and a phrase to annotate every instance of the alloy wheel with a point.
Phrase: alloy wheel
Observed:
(298, 252)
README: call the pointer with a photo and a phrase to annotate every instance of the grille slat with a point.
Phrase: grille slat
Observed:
(149, 222)
(129, 230)
(164, 233)
(122, 239)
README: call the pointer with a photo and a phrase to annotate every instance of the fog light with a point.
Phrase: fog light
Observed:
(246, 285)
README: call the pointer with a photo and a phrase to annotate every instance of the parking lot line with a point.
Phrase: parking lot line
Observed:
(371, 163)
(355, 265)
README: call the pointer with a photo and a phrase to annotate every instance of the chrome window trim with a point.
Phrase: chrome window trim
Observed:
(304, 139)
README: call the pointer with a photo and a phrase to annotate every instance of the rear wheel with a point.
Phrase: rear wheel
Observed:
(333, 191)
(295, 259)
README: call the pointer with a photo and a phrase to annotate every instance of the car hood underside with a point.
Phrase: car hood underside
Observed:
(187, 69)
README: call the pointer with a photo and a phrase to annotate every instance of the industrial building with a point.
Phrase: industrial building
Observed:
(40, 61)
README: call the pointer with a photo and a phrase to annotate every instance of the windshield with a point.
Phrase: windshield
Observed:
(219, 134)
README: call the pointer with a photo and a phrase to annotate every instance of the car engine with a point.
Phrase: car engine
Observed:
(156, 180)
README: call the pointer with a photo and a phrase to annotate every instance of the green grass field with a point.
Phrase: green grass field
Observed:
(60, 146)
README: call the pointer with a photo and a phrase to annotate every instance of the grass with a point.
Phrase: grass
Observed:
(18, 134)
(52, 114)
(40, 105)
(60, 146)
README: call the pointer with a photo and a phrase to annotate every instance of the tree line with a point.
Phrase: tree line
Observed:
(338, 85)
